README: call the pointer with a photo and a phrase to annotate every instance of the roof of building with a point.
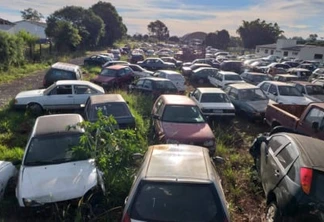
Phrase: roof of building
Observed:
(42, 24)
(177, 100)
(5, 22)
(106, 98)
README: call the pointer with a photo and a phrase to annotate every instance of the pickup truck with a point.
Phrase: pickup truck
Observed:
(305, 119)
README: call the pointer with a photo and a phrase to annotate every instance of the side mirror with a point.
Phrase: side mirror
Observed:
(16, 162)
(218, 160)
(315, 125)
(155, 116)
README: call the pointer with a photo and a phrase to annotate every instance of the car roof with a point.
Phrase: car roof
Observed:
(106, 98)
(116, 67)
(298, 69)
(311, 150)
(79, 82)
(65, 66)
(286, 75)
(227, 73)
(169, 72)
(177, 161)
(278, 83)
(177, 100)
(155, 79)
(58, 123)
(256, 73)
(205, 68)
(305, 83)
(243, 85)
(210, 90)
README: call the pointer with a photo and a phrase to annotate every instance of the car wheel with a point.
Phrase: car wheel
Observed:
(35, 109)
(273, 213)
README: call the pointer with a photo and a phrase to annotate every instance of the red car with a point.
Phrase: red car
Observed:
(114, 76)
(177, 119)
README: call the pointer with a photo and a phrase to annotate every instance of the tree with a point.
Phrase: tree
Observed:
(218, 39)
(258, 32)
(174, 39)
(90, 26)
(300, 40)
(211, 39)
(31, 15)
(312, 38)
(158, 30)
(115, 29)
(235, 42)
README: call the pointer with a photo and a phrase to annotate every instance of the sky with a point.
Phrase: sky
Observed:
(295, 17)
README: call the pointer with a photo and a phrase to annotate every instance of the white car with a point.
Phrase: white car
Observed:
(140, 72)
(284, 93)
(49, 171)
(7, 172)
(223, 78)
(175, 77)
(63, 94)
(311, 90)
(213, 102)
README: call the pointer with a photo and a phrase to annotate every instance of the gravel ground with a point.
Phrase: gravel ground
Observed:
(8, 91)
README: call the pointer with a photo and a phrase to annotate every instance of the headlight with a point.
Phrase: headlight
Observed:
(31, 203)
(209, 143)
(171, 141)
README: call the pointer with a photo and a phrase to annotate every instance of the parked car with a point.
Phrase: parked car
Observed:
(62, 71)
(290, 167)
(285, 93)
(302, 74)
(255, 78)
(153, 86)
(62, 95)
(116, 53)
(213, 102)
(8, 173)
(200, 61)
(316, 74)
(231, 65)
(285, 77)
(175, 77)
(319, 81)
(49, 171)
(271, 68)
(192, 186)
(139, 72)
(311, 67)
(305, 119)
(112, 63)
(115, 76)
(291, 63)
(177, 63)
(177, 119)
(187, 70)
(200, 76)
(110, 104)
(310, 90)
(248, 100)
(136, 57)
(156, 64)
(223, 78)
(96, 60)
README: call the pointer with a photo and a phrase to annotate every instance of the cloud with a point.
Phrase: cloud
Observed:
(296, 18)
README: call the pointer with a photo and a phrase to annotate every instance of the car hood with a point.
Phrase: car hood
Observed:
(30, 93)
(101, 78)
(59, 182)
(259, 106)
(216, 106)
(184, 131)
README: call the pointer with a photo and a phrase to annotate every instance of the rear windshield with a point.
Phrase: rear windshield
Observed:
(59, 74)
(317, 186)
(164, 85)
(177, 202)
(176, 77)
(109, 72)
(114, 109)
(233, 77)
(214, 98)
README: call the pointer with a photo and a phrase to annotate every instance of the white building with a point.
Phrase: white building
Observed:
(289, 48)
(34, 28)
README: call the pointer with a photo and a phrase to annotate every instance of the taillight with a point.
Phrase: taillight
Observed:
(306, 176)
(126, 218)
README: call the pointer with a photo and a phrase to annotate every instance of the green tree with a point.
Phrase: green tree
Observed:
(211, 39)
(158, 30)
(235, 42)
(218, 39)
(312, 37)
(12, 48)
(31, 15)
(114, 26)
(258, 32)
(174, 39)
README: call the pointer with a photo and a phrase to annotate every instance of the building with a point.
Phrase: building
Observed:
(32, 27)
(289, 48)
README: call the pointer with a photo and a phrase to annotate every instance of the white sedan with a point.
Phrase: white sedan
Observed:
(139, 71)
(7, 171)
(213, 102)
(62, 95)
(223, 78)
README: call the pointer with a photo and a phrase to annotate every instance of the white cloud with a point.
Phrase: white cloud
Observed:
(297, 18)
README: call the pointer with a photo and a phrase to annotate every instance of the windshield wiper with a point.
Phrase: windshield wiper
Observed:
(37, 163)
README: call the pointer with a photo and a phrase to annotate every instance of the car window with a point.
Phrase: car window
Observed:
(265, 86)
(314, 90)
(62, 90)
(273, 89)
(227, 89)
(82, 89)
(293, 172)
(300, 88)
(158, 105)
(156, 201)
(140, 83)
(252, 95)
(233, 94)
(214, 98)
(115, 109)
(182, 114)
(289, 91)
(315, 115)
(164, 85)
(147, 84)
(135, 68)
(233, 78)
(121, 72)
(276, 142)
(59, 74)
(287, 155)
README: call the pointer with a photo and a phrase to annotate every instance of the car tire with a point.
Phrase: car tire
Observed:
(35, 109)
(273, 213)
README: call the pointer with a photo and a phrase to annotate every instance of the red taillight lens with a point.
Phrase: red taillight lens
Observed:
(306, 176)
(126, 218)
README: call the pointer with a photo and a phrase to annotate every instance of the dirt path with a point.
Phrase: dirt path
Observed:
(8, 91)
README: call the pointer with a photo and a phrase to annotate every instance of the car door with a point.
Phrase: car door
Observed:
(81, 94)
(60, 97)
(270, 170)
(138, 87)
(147, 87)
(272, 92)
(195, 96)
(305, 126)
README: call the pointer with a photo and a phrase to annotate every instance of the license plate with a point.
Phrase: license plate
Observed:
(217, 111)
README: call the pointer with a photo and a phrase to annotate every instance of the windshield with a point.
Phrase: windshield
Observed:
(315, 90)
(289, 91)
(182, 114)
(252, 95)
(214, 98)
(233, 77)
(157, 201)
(109, 72)
(114, 109)
(260, 78)
(164, 85)
(58, 74)
(176, 77)
(52, 149)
